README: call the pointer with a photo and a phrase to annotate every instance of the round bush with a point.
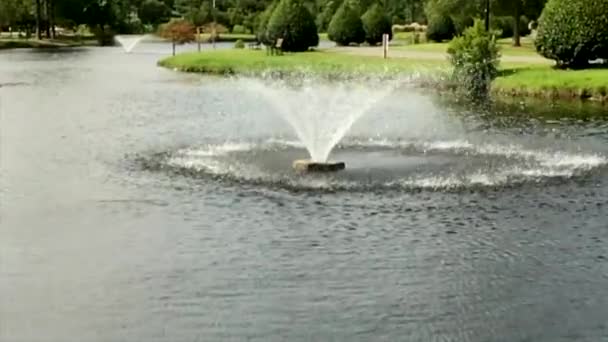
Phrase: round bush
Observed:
(440, 28)
(475, 58)
(239, 29)
(292, 22)
(239, 44)
(375, 24)
(346, 26)
(573, 32)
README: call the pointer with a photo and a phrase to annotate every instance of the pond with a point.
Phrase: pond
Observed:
(141, 204)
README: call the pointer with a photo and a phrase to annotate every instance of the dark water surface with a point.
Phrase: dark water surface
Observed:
(138, 204)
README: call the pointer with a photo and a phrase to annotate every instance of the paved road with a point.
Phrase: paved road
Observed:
(428, 55)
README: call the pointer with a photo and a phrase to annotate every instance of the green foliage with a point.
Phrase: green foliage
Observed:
(292, 22)
(239, 29)
(505, 26)
(441, 27)
(573, 32)
(239, 44)
(179, 31)
(263, 23)
(328, 9)
(346, 26)
(104, 35)
(475, 58)
(153, 12)
(375, 24)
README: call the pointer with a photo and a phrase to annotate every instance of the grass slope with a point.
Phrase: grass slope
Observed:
(256, 61)
(515, 78)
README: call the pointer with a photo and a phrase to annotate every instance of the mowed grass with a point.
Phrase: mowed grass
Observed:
(506, 47)
(548, 81)
(257, 61)
(522, 79)
(229, 37)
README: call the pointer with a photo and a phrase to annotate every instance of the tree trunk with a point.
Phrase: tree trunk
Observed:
(173, 46)
(47, 22)
(487, 15)
(52, 18)
(516, 23)
(38, 20)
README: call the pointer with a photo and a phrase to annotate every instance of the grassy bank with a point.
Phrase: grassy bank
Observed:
(516, 79)
(545, 81)
(227, 62)
(61, 42)
(506, 47)
(228, 37)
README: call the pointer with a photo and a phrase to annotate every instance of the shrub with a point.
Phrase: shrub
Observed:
(239, 44)
(505, 26)
(440, 28)
(104, 35)
(324, 16)
(239, 29)
(475, 58)
(260, 32)
(346, 26)
(573, 32)
(375, 24)
(292, 22)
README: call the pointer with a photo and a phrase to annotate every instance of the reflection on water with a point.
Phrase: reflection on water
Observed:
(114, 228)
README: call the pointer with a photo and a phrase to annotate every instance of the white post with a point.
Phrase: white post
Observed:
(213, 30)
(385, 45)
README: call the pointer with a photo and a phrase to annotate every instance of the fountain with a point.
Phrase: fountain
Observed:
(128, 43)
(321, 113)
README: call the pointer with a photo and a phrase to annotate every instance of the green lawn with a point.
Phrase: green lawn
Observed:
(506, 47)
(229, 37)
(256, 61)
(515, 78)
(545, 80)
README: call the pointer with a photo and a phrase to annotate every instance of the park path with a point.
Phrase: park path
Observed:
(425, 55)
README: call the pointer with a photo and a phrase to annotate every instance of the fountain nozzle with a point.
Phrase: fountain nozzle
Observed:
(306, 165)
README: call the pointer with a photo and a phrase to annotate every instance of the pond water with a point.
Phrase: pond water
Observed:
(140, 204)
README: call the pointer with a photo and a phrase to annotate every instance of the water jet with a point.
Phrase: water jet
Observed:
(321, 113)
(128, 42)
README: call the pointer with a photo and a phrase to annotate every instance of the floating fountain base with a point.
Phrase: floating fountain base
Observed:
(305, 165)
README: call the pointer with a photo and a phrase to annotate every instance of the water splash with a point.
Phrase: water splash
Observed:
(321, 113)
(128, 43)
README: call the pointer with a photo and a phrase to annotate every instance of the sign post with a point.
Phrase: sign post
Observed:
(198, 38)
(385, 45)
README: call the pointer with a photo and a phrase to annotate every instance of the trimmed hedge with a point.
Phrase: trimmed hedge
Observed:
(346, 26)
(440, 28)
(375, 24)
(573, 32)
(292, 22)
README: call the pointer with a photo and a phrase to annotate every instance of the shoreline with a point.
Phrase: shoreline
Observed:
(516, 80)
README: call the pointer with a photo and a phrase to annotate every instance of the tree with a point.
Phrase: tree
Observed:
(516, 9)
(328, 9)
(263, 23)
(292, 22)
(375, 24)
(179, 31)
(153, 12)
(346, 26)
(573, 32)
